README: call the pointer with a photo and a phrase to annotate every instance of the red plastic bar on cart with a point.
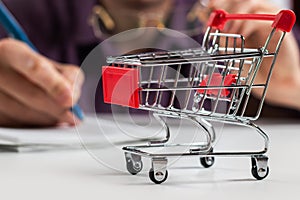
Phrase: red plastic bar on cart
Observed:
(283, 21)
(120, 86)
(216, 80)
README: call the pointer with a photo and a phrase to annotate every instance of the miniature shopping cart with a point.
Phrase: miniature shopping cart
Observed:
(211, 83)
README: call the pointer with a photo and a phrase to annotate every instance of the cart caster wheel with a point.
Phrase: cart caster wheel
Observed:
(134, 163)
(158, 177)
(261, 173)
(207, 161)
(134, 168)
(260, 169)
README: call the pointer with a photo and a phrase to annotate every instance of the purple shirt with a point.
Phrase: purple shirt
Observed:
(57, 28)
(60, 29)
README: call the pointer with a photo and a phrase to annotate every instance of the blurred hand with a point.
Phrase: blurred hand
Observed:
(35, 91)
(284, 87)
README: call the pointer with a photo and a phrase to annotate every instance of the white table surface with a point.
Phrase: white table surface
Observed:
(76, 174)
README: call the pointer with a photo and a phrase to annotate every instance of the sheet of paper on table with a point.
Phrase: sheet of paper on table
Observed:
(94, 132)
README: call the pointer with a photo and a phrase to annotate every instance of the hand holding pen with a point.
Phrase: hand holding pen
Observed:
(35, 90)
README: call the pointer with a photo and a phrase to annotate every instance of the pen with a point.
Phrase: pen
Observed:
(14, 29)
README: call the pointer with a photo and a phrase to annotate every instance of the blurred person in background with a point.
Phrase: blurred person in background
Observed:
(38, 89)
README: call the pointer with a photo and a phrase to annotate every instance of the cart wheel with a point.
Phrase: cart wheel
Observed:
(158, 177)
(134, 163)
(261, 173)
(260, 169)
(134, 168)
(207, 161)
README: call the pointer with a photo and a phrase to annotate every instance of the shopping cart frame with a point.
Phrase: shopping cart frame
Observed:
(234, 59)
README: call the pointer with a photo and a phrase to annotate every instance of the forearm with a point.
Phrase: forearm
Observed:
(284, 86)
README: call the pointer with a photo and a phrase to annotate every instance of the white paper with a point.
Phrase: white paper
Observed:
(94, 132)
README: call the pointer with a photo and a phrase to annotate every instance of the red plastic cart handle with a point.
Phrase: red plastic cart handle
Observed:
(283, 21)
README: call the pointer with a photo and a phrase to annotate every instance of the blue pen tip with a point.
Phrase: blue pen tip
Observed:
(78, 112)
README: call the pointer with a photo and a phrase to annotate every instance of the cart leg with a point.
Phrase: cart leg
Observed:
(260, 169)
(165, 126)
(209, 127)
(209, 132)
(158, 173)
(134, 163)
(261, 133)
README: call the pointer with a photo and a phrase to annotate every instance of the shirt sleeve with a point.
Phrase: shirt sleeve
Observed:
(53, 26)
